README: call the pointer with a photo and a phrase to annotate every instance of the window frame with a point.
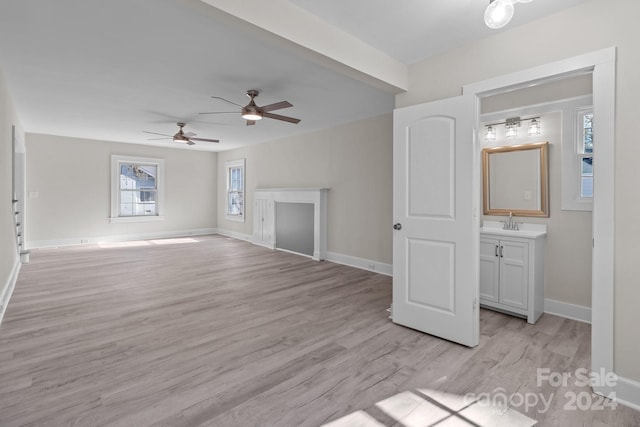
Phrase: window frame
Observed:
(116, 162)
(580, 152)
(229, 166)
(572, 155)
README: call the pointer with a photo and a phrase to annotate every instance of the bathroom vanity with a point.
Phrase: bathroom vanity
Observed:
(512, 269)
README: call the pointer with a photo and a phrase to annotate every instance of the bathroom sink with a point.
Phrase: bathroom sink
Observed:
(524, 229)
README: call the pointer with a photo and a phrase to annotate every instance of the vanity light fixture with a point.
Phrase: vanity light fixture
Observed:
(490, 133)
(534, 127)
(511, 125)
(499, 12)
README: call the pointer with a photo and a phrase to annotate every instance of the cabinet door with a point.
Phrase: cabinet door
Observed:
(489, 269)
(258, 219)
(514, 273)
(261, 216)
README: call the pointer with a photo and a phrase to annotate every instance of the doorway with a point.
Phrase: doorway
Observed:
(601, 64)
(559, 110)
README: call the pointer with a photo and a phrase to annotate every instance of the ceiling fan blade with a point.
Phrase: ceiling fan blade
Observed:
(156, 133)
(156, 139)
(226, 100)
(283, 118)
(251, 122)
(189, 134)
(204, 139)
(221, 112)
(191, 143)
(277, 106)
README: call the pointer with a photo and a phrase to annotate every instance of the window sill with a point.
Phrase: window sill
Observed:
(125, 219)
(236, 218)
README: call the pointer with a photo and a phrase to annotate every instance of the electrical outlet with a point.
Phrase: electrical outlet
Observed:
(372, 267)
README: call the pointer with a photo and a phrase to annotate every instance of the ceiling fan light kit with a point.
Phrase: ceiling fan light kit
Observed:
(252, 112)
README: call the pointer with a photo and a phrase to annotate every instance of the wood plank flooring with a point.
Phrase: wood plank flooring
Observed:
(218, 332)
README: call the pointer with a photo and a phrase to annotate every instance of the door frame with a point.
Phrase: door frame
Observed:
(602, 65)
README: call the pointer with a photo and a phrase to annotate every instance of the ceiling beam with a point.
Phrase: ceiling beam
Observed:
(319, 41)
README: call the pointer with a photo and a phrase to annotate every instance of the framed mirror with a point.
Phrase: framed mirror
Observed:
(516, 179)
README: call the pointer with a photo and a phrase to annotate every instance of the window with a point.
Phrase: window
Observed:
(585, 152)
(235, 190)
(136, 189)
(577, 155)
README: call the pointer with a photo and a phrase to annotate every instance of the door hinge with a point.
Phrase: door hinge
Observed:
(475, 303)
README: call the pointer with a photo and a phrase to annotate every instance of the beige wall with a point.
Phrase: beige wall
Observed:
(595, 24)
(8, 250)
(353, 160)
(72, 179)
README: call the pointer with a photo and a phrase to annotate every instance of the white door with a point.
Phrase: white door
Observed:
(435, 208)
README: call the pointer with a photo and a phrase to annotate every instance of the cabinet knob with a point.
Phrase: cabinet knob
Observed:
(397, 226)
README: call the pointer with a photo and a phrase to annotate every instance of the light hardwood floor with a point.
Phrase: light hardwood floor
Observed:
(218, 332)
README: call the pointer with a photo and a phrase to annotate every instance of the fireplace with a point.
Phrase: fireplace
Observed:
(291, 219)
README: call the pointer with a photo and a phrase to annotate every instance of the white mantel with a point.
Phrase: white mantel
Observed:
(264, 200)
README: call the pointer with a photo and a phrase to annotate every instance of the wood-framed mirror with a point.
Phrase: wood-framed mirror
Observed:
(515, 179)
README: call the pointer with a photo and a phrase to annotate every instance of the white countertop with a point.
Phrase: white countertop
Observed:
(529, 231)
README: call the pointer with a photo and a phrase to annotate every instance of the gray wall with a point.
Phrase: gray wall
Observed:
(72, 178)
(8, 250)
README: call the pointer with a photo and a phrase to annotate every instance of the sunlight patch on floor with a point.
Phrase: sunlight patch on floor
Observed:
(436, 408)
(175, 241)
(134, 243)
(109, 245)
(355, 419)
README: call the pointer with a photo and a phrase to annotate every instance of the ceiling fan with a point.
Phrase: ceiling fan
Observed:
(181, 136)
(252, 112)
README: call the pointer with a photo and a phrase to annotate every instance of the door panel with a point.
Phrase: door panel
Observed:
(431, 288)
(435, 245)
(431, 163)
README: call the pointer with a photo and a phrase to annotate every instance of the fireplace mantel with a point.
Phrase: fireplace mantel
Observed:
(264, 200)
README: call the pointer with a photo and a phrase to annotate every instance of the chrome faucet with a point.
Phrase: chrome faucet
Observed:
(510, 224)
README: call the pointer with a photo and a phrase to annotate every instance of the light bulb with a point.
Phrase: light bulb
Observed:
(512, 132)
(498, 14)
(490, 134)
(252, 116)
(534, 127)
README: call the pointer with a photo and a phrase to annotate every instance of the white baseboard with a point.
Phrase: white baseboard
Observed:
(235, 235)
(36, 244)
(7, 289)
(628, 393)
(351, 261)
(362, 263)
(569, 311)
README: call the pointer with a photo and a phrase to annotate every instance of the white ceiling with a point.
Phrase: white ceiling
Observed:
(108, 70)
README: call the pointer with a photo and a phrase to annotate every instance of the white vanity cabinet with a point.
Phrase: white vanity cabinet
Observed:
(512, 270)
